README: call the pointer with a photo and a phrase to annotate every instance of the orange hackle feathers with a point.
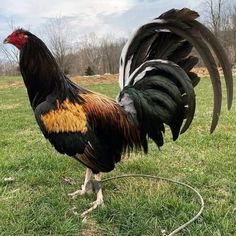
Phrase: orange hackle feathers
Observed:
(68, 117)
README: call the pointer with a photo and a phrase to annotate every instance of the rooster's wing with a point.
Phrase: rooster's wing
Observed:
(95, 132)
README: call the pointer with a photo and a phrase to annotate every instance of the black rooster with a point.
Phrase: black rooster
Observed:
(157, 88)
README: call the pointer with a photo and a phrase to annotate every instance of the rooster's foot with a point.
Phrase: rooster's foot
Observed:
(95, 204)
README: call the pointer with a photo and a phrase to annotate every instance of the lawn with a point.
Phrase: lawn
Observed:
(35, 179)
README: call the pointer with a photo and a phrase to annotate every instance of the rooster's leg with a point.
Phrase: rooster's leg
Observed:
(85, 187)
(98, 189)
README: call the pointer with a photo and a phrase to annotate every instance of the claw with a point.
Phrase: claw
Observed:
(99, 201)
(88, 187)
(85, 188)
(77, 193)
(95, 204)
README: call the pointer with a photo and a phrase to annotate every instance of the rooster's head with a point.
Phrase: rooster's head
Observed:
(18, 38)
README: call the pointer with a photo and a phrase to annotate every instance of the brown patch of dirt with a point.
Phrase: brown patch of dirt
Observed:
(89, 232)
(95, 79)
(15, 84)
(82, 80)
(92, 228)
(106, 78)
(8, 106)
(109, 78)
(202, 71)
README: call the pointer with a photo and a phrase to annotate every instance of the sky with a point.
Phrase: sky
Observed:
(103, 17)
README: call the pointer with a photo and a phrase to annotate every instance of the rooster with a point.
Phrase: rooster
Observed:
(157, 89)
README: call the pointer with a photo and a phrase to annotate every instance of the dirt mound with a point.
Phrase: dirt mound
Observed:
(95, 79)
(12, 84)
(202, 71)
(103, 79)
(109, 78)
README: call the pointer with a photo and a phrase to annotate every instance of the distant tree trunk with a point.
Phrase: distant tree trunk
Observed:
(217, 14)
(101, 54)
(233, 20)
(58, 36)
(11, 54)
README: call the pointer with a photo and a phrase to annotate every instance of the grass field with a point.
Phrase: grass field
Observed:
(33, 186)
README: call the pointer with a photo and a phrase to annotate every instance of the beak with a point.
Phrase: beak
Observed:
(5, 41)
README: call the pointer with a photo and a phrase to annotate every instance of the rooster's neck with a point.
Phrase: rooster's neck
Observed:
(42, 76)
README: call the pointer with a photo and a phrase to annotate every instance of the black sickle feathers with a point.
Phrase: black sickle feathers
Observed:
(181, 25)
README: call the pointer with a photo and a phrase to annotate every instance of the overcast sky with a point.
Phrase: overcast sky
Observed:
(114, 17)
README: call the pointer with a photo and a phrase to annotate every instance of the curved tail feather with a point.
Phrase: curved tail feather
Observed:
(171, 37)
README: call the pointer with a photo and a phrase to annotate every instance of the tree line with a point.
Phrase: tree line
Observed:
(99, 55)
(220, 17)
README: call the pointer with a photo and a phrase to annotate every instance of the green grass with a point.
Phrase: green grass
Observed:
(36, 201)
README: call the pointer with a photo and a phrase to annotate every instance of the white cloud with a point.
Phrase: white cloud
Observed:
(84, 16)
(53, 8)
(103, 17)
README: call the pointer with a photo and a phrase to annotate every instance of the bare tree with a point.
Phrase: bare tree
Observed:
(233, 20)
(89, 52)
(100, 54)
(218, 17)
(215, 8)
(58, 35)
(10, 53)
(111, 50)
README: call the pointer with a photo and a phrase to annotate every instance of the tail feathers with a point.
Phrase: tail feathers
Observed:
(195, 79)
(161, 93)
(171, 37)
(164, 45)
(221, 55)
(184, 15)
(181, 52)
(188, 63)
(181, 79)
